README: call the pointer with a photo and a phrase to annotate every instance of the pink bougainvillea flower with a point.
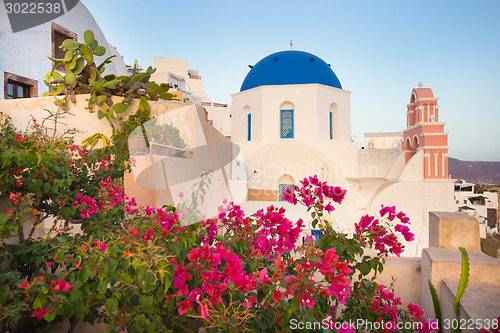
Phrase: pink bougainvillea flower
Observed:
(329, 208)
(24, 284)
(203, 311)
(306, 300)
(185, 306)
(104, 247)
(249, 301)
(277, 295)
(264, 278)
(148, 235)
(64, 286)
(48, 264)
(40, 313)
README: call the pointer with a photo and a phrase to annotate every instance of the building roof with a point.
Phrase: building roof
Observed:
(423, 93)
(290, 67)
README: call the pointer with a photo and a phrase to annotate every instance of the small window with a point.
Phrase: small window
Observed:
(16, 86)
(465, 201)
(331, 125)
(59, 35)
(457, 202)
(287, 124)
(249, 129)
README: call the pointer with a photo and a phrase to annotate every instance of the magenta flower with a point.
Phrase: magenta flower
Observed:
(277, 295)
(329, 208)
(263, 278)
(203, 311)
(24, 284)
(104, 247)
(39, 314)
(64, 286)
(306, 300)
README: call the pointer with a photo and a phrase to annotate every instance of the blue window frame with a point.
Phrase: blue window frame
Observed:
(331, 125)
(249, 123)
(287, 124)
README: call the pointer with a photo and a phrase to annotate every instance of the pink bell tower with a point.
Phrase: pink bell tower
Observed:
(425, 132)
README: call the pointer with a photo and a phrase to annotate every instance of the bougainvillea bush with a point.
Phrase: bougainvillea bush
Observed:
(138, 269)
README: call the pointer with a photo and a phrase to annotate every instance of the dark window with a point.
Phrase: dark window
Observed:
(16, 86)
(331, 125)
(249, 127)
(59, 35)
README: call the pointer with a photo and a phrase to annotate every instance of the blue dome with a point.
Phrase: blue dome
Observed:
(290, 67)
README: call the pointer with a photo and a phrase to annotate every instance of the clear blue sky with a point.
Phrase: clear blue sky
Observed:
(380, 50)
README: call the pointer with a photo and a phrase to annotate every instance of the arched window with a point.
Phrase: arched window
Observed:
(248, 112)
(286, 123)
(285, 181)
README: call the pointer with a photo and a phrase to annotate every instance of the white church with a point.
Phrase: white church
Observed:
(292, 119)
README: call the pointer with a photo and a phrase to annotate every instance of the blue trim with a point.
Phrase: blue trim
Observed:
(249, 122)
(286, 124)
(331, 125)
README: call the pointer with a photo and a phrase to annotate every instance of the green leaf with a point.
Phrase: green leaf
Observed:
(70, 44)
(144, 105)
(437, 306)
(111, 84)
(147, 302)
(70, 78)
(49, 316)
(37, 303)
(94, 44)
(464, 279)
(112, 264)
(68, 56)
(79, 66)
(99, 51)
(138, 77)
(57, 90)
(120, 107)
(127, 278)
(364, 268)
(295, 304)
(88, 37)
(84, 273)
(101, 114)
(110, 77)
(56, 75)
(102, 287)
(92, 75)
(99, 88)
(166, 96)
(86, 53)
(111, 305)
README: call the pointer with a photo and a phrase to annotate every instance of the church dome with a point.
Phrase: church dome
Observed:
(290, 67)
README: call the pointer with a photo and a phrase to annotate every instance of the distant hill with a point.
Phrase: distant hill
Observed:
(478, 172)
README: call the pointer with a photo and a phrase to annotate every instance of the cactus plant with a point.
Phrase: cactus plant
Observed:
(83, 76)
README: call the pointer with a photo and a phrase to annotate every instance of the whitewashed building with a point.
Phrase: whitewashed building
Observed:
(292, 119)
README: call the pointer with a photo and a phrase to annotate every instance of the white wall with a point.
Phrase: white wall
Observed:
(25, 53)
